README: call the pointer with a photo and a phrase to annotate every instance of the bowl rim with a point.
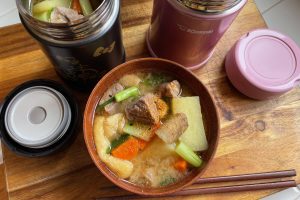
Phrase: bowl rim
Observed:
(95, 158)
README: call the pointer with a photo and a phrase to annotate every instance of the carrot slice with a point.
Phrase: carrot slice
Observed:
(181, 165)
(128, 150)
(76, 6)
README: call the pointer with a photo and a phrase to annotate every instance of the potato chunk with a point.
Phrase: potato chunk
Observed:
(194, 136)
(123, 168)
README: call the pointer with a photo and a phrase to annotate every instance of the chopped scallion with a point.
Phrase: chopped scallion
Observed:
(188, 154)
(120, 96)
(86, 7)
(125, 94)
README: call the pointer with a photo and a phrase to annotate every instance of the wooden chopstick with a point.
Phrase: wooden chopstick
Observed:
(247, 177)
(231, 188)
(236, 188)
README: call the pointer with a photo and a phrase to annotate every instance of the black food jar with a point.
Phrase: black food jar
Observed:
(81, 51)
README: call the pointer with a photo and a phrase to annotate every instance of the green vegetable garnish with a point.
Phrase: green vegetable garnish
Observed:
(125, 94)
(120, 96)
(188, 155)
(48, 5)
(167, 181)
(139, 130)
(43, 6)
(101, 106)
(155, 79)
(117, 142)
(44, 16)
(86, 7)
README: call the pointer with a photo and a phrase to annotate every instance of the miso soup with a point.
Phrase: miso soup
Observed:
(148, 129)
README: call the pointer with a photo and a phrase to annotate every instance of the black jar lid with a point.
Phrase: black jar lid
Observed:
(38, 117)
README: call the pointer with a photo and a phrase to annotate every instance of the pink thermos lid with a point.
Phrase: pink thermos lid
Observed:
(263, 64)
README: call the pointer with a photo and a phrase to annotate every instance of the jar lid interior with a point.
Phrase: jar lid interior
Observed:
(37, 117)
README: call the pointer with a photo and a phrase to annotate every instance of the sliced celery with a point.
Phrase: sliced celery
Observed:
(43, 6)
(47, 5)
(44, 16)
(105, 103)
(139, 130)
(86, 7)
(125, 94)
(188, 155)
(120, 96)
(63, 3)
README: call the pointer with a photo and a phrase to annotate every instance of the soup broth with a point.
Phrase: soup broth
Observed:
(148, 129)
(62, 11)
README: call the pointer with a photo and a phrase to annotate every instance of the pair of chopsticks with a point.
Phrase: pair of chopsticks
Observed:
(231, 188)
(242, 187)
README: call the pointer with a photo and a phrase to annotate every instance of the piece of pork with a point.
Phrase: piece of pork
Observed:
(143, 110)
(64, 15)
(173, 128)
(113, 107)
(170, 89)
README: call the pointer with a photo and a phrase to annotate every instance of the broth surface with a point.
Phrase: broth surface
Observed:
(157, 162)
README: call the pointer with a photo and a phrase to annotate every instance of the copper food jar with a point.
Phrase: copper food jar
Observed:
(187, 31)
(81, 51)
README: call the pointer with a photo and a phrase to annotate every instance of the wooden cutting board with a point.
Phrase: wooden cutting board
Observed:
(256, 136)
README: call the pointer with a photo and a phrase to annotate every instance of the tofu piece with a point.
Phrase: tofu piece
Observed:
(122, 168)
(194, 136)
(113, 126)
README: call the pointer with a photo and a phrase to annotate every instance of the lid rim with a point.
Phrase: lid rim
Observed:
(63, 142)
(46, 141)
(215, 7)
(213, 15)
(247, 38)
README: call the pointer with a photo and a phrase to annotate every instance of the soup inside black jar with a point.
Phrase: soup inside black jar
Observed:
(148, 129)
(62, 11)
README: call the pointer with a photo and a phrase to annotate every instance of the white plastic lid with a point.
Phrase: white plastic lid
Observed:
(37, 117)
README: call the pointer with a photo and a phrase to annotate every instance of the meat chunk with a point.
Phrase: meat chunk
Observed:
(64, 15)
(143, 110)
(113, 107)
(171, 89)
(173, 128)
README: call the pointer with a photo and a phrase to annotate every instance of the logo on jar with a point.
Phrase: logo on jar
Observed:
(102, 50)
(193, 31)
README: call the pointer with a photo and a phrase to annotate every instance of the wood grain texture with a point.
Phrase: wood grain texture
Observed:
(3, 191)
(256, 136)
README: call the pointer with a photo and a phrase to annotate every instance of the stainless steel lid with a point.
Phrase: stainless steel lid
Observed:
(37, 117)
(210, 6)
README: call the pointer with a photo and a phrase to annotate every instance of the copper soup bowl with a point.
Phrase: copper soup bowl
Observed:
(209, 111)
